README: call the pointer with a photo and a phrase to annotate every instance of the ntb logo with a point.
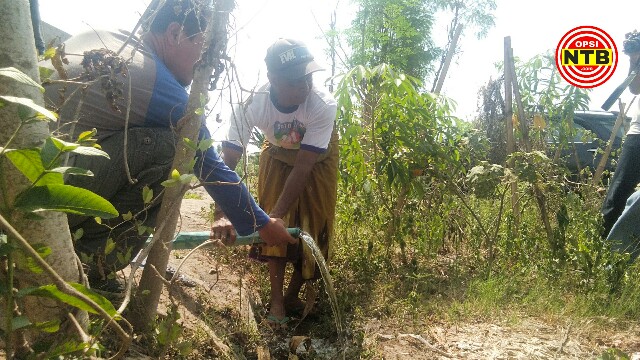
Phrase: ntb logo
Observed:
(586, 56)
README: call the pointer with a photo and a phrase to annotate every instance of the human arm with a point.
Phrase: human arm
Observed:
(296, 182)
(634, 64)
(222, 227)
(231, 156)
(228, 191)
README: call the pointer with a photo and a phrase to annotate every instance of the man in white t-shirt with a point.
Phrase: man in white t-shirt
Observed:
(298, 168)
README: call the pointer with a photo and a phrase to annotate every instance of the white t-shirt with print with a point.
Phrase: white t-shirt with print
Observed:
(309, 127)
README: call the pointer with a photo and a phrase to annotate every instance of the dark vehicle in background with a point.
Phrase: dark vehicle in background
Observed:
(593, 130)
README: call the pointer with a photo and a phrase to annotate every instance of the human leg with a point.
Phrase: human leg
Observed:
(292, 302)
(150, 154)
(276, 279)
(625, 235)
(313, 212)
(625, 178)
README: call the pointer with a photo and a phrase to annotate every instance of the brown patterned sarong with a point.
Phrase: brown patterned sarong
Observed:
(313, 212)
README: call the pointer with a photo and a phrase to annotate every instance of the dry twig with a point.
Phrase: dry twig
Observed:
(424, 342)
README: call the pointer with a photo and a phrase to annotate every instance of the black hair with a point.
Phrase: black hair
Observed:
(184, 12)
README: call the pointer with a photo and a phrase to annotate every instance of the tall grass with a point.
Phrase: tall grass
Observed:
(440, 264)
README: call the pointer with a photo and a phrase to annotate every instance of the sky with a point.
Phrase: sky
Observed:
(534, 27)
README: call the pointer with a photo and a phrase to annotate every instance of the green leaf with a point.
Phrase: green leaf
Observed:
(49, 152)
(65, 198)
(19, 76)
(170, 182)
(190, 144)
(109, 247)
(87, 135)
(49, 53)
(147, 194)
(205, 144)
(78, 234)
(142, 229)
(186, 178)
(30, 104)
(62, 145)
(50, 178)
(90, 151)
(71, 171)
(49, 326)
(20, 322)
(29, 262)
(52, 292)
(128, 216)
(24, 113)
(86, 258)
(45, 73)
(27, 161)
(124, 258)
(70, 347)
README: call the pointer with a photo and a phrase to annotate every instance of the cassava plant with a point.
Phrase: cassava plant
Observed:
(393, 138)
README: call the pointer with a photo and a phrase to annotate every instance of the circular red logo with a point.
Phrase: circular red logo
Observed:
(586, 56)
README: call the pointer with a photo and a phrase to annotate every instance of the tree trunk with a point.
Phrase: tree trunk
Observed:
(150, 287)
(18, 51)
(442, 75)
(511, 145)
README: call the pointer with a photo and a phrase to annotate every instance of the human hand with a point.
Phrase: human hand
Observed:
(223, 230)
(275, 233)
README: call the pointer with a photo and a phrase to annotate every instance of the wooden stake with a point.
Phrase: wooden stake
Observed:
(539, 196)
(597, 176)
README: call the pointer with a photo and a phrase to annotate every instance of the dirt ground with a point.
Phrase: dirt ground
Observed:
(230, 292)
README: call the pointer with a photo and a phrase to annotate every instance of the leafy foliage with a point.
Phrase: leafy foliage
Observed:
(389, 129)
(420, 204)
(47, 191)
(395, 32)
